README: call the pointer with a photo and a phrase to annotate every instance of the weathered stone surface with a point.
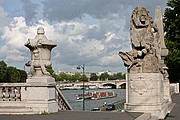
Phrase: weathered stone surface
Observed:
(40, 48)
(143, 56)
(163, 52)
(40, 93)
(147, 88)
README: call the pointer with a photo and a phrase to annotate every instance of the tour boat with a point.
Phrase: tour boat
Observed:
(95, 95)
(103, 94)
(87, 95)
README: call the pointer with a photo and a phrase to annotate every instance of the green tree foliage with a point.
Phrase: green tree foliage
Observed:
(172, 39)
(93, 77)
(63, 76)
(3, 71)
(13, 75)
(76, 76)
(71, 78)
(84, 77)
(9, 74)
(50, 70)
(117, 76)
(104, 76)
(23, 76)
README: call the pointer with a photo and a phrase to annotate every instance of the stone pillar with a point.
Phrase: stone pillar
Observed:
(163, 53)
(146, 73)
(145, 94)
(40, 91)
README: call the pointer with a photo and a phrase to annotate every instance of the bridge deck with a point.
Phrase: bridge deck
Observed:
(75, 115)
(80, 115)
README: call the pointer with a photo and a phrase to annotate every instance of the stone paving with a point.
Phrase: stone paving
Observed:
(175, 113)
(87, 115)
(75, 115)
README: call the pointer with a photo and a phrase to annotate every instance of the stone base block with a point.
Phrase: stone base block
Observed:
(160, 110)
(41, 95)
(40, 80)
(145, 93)
(43, 106)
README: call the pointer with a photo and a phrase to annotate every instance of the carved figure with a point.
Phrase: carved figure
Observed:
(144, 38)
(40, 48)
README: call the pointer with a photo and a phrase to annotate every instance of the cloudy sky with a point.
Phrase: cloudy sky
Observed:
(89, 32)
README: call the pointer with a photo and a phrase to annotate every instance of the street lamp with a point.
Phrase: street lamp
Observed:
(82, 67)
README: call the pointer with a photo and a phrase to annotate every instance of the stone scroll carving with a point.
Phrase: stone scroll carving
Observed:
(144, 56)
(40, 48)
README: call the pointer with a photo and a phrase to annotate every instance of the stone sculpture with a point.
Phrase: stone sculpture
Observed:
(147, 88)
(40, 48)
(143, 57)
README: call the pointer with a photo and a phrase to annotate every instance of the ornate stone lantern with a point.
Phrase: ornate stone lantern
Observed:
(40, 48)
(41, 90)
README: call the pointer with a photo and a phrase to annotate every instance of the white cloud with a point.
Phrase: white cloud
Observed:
(110, 60)
(3, 17)
(75, 44)
(86, 32)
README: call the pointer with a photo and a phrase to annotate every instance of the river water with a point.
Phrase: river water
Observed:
(70, 96)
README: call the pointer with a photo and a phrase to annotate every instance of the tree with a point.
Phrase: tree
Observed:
(13, 75)
(63, 76)
(84, 77)
(172, 39)
(23, 76)
(104, 76)
(50, 70)
(3, 71)
(93, 77)
(76, 76)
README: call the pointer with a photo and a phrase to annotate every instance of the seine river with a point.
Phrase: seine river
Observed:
(70, 96)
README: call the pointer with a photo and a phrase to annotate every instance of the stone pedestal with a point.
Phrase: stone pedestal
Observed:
(145, 94)
(41, 94)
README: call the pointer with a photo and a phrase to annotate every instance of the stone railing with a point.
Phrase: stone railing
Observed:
(62, 102)
(10, 91)
(174, 88)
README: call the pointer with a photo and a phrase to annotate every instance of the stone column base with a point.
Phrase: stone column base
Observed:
(41, 95)
(146, 94)
(160, 110)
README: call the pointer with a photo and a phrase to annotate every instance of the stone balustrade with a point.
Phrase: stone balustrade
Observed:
(16, 93)
(10, 91)
(62, 102)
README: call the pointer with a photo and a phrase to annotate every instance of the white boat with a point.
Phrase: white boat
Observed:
(105, 87)
(71, 88)
(87, 95)
(95, 95)
(103, 94)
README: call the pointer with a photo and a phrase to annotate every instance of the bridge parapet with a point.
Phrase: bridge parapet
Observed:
(11, 91)
(23, 95)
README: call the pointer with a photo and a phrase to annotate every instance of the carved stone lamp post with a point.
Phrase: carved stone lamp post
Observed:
(41, 92)
(40, 48)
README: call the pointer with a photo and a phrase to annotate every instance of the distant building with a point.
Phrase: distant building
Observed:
(101, 72)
